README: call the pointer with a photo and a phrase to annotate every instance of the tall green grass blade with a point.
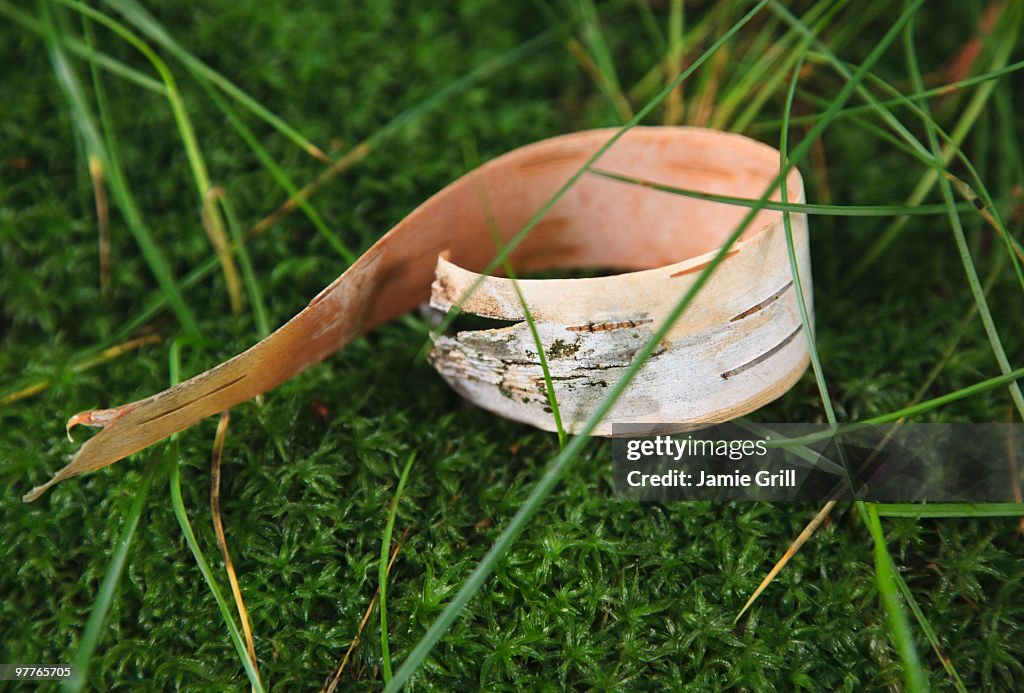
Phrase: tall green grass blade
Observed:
(280, 177)
(556, 467)
(787, 224)
(594, 38)
(496, 238)
(154, 303)
(916, 148)
(913, 96)
(957, 136)
(958, 232)
(112, 577)
(178, 505)
(103, 152)
(658, 75)
(382, 570)
(521, 235)
(979, 199)
(911, 665)
(790, 207)
(148, 25)
(673, 61)
(925, 624)
(252, 285)
(651, 25)
(899, 628)
(915, 409)
(82, 50)
(213, 222)
(758, 85)
(549, 385)
(204, 567)
(1008, 135)
(947, 510)
(887, 573)
(989, 210)
(913, 670)
(844, 72)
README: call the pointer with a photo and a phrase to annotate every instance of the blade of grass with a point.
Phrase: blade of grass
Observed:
(925, 624)
(845, 73)
(790, 207)
(899, 628)
(556, 411)
(80, 364)
(594, 38)
(385, 565)
(705, 92)
(216, 457)
(336, 675)
(959, 133)
(178, 505)
(944, 510)
(364, 148)
(809, 529)
(85, 51)
(812, 526)
(156, 301)
(982, 202)
(280, 177)
(651, 26)
(103, 150)
(787, 224)
(556, 467)
(148, 25)
(913, 96)
(213, 222)
(521, 235)
(1008, 135)
(769, 72)
(914, 409)
(848, 26)
(673, 62)
(112, 578)
(913, 672)
(496, 238)
(808, 332)
(98, 177)
(917, 149)
(252, 285)
(958, 232)
(658, 76)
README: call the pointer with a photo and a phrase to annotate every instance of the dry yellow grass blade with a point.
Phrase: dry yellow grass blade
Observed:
(801, 539)
(99, 191)
(216, 457)
(213, 224)
(107, 354)
(331, 685)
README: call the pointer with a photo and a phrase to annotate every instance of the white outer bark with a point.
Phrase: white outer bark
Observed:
(737, 346)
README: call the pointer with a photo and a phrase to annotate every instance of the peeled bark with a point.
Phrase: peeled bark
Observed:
(737, 346)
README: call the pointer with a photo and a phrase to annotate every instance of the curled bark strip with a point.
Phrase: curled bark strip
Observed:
(590, 328)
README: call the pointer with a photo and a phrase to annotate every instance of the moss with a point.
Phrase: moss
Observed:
(560, 349)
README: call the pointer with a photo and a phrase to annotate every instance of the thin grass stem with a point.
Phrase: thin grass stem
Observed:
(382, 569)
